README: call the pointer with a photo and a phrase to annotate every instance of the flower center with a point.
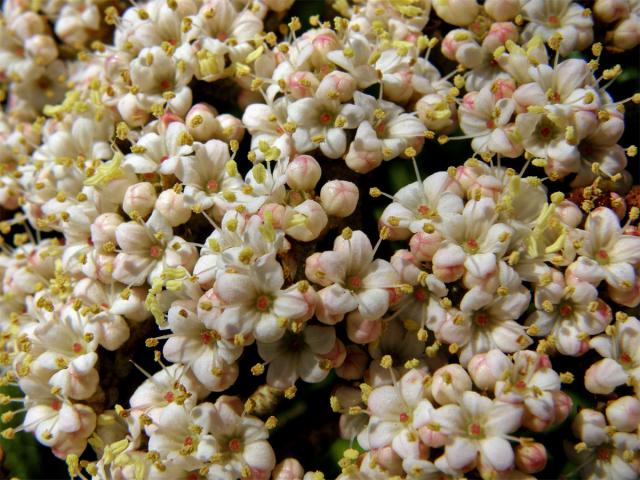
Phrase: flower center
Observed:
(602, 256)
(603, 453)
(490, 124)
(168, 397)
(56, 404)
(481, 319)
(380, 128)
(553, 20)
(187, 441)
(475, 430)
(235, 445)
(566, 310)
(76, 347)
(424, 211)
(165, 84)
(212, 185)
(263, 303)
(155, 251)
(420, 294)
(625, 359)
(404, 417)
(325, 118)
(206, 337)
(520, 384)
(354, 282)
(471, 245)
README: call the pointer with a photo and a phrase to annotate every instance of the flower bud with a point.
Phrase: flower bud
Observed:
(624, 413)
(531, 457)
(306, 221)
(338, 85)
(231, 127)
(487, 368)
(354, 365)
(608, 11)
(604, 376)
(289, 468)
(562, 404)
(42, 48)
(498, 35)
(569, 213)
(339, 198)
(436, 113)
(132, 111)
(173, 207)
(589, 426)
(103, 228)
(336, 355)
(140, 198)
(303, 173)
(502, 10)
(627, 34)
(362, 331)
(629, 297)
(302, 84)
(424, 245)
(202, 123)
(277, 213)
(132, 305)
(398, 86)
(448, 263)
(457, 12)
(449, 383)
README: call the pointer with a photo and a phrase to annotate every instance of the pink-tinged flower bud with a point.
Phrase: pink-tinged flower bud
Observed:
(436, 113)
(608, 11)
(424, 245)
(42, 48)
(624, 413)
(531, 457)
(498, 35)
(277, 211)
(457, 12)
(202, 123)
(303, 173)
(388, 459)
(140, 198)
(449, 383)
(103, 228)
(339, 198)
(627, 34)
(487, 368)
(338, 85)
(27, 24)
(302, 84)
(487, 185)
(279, 6)
(306, 221)
(289, 468)
(562, 404)
(336, 355)
(502, 10)
(448, 263)
(629, 297)
(589, 426)
(569, 213)
(362, 331)
(167, 119)
(232, 127)
(398, 86)
(453, 40)
(173, 207)
(354, 365)
(323, 41)
(133, 111)
(604, 376)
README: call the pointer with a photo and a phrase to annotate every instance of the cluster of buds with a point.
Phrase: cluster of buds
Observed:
(241, 252)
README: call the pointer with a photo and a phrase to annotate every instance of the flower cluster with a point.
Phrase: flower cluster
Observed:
(230, 254)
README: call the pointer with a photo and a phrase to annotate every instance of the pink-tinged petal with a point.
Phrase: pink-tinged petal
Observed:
(333, 265)
(504, 418)
(497, 452)
(357, 249)
(282, 372)
(320, 339)
(259, 456)
(386, 402)
(461, 454)
(373, 303)
(603, 226)
(235, 288)
(335, 302)
(380, 274)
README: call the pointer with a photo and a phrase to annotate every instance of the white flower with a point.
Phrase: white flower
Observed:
(478, 425)
(321, 122)
(352, 279)
(298, 355)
